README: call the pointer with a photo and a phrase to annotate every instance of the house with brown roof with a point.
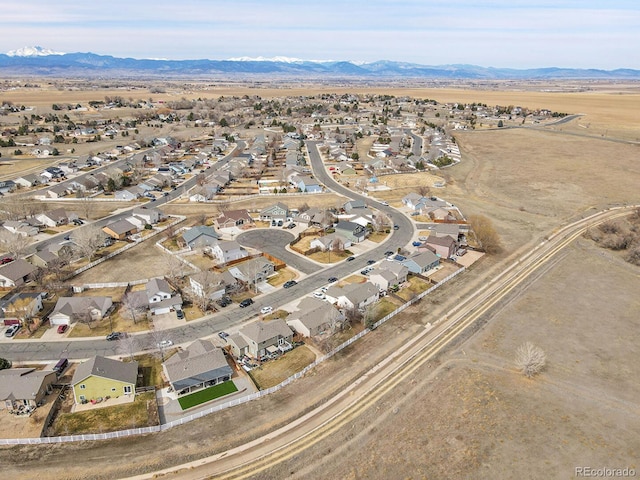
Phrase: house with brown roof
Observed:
(444, 246)
(234, 218)
(25, 387)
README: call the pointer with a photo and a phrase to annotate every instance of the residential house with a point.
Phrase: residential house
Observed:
(333, 241)
(444, 247)
(228, 250)
(57, 191)
(260, 338)
(388, 274)
(150, 216)
(16, 273)
(422, 262)
(214, 284)
(253, 271)
(20, 228)
(314, 316)
(411, 200)
(353, 295)
(71, 309)
(352, 205)
(129, 194)
(25, 387)
(120, 229)
(353, 232)
(234, 218)
(200, 365)
(55, 218)
(101, 377)
(7, 186)
(16, 307)
(306, 184)
(28, 181)
(161, 297)
(276, 214)
(200, 236)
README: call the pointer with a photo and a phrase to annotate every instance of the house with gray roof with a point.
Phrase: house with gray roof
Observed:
(101, 377)
(422, 262)
(253, 271)
(200, 365)
(72, 309)
(200, 236)
(262, 338)
(353, 295)
(120, 229)
(16, 273)
(351, 231)
(25, 387)
(314, 317)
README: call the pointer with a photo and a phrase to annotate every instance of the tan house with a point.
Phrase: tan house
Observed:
(25, 387)
(259, 338)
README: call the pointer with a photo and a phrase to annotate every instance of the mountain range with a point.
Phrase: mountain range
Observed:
(39, 61)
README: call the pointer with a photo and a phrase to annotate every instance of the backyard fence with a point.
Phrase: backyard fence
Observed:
(231, 403)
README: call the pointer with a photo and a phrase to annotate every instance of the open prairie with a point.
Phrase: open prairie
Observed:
(470, 414)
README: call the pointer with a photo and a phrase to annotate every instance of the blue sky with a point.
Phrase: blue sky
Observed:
(494, 33)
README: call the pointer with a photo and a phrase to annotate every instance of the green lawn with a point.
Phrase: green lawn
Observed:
(207, 394)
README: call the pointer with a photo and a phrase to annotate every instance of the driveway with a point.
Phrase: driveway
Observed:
(273, 241)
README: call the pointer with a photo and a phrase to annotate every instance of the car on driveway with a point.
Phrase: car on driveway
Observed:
(223, 335)
(224, 301)
(416, 244)
(114, 336)
(266, 310)
(289, 284)
(62, 328)
(246, 302)
(291, 225)
(12, 330)
(179, 314)
(319, 295)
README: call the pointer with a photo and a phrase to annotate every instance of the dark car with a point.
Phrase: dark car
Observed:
(6, 260)
(223, 335)
(246, 302)
(291, 225)
(370, 262)
(388, 254)
(416, 244)
(350, 259)
(114, 336)
(333, 279)
(62, 328)
(179, 314)
(290, 284)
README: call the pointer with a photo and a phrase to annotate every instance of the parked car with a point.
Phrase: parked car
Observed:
(370, 262)
(396, 227)
(223, 335)
(12, 330)
(222, 302)
(333, 279)
(290, 284)
(179, 314)
(114, 336)
(416, 244)
(319, 295)
(386, 204)
(6, 260)
(291, 225)
(164, 343)
(246, 302)
(350, 259)
(388, 254)
(62, 328)
(266, 310)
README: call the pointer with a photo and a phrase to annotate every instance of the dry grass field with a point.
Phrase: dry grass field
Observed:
(469, 415)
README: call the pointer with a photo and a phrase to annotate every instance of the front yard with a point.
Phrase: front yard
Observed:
(275, 371)
(281, 276)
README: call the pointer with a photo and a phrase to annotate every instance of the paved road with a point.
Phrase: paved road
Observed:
(273, 242)
(260, 455)
(24, 350)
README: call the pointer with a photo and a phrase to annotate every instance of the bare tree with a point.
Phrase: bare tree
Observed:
(209, 284)
(530, 360)
(176, 268)
(14, 244)
(485, 233)
(381, 221)
(128, 345)
(424, 190)
(88, 240)
(133, 304)
(86, 204)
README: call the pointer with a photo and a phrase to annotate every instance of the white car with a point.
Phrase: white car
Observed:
(165, 343)
(318, 295)
(265, 310)
(386, 204)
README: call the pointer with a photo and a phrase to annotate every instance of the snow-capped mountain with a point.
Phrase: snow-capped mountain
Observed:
(36, 51)
(46, 62)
